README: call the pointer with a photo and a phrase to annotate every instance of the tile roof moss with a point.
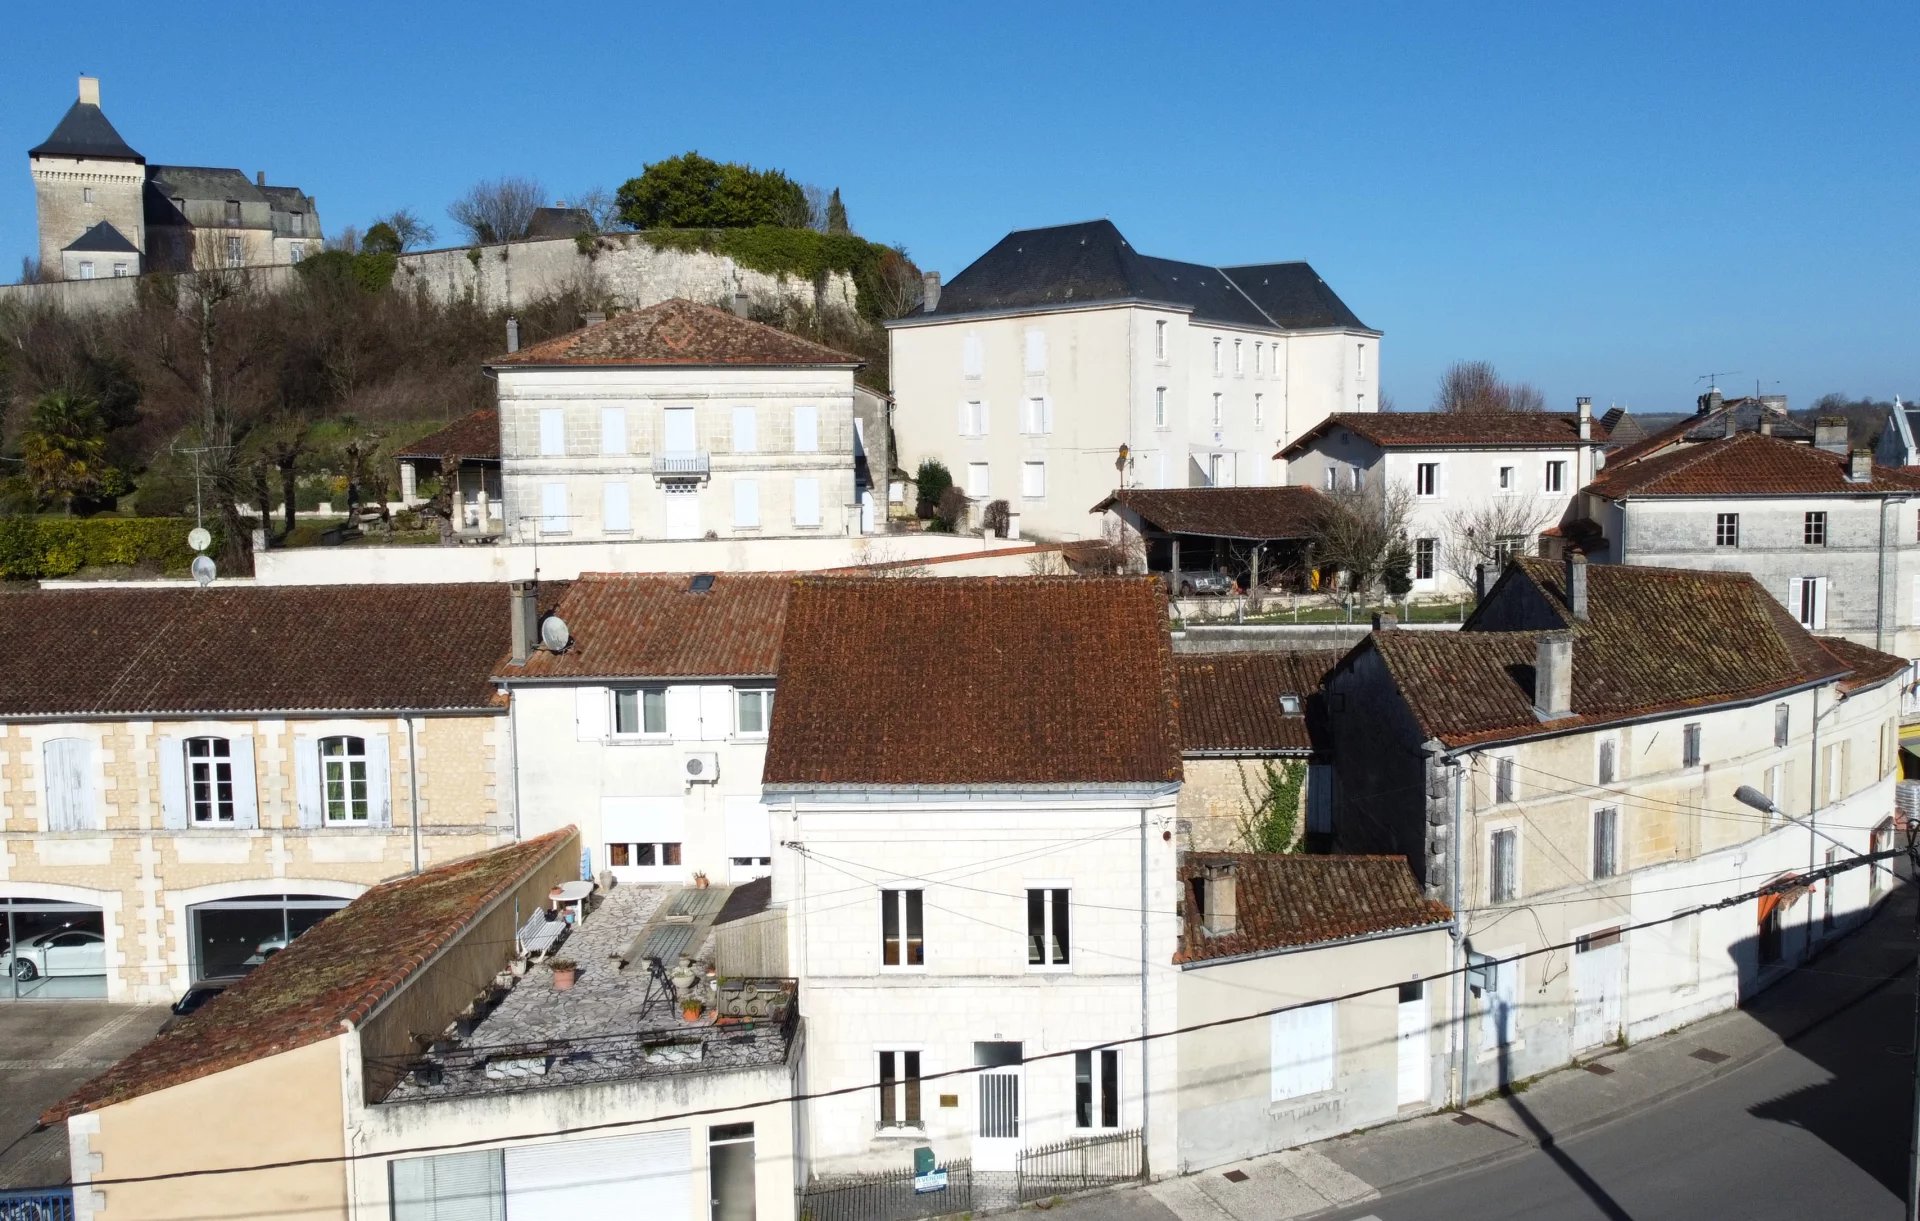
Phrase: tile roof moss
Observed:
(1293, 900)
(330, 977)
(678, 332)
(1243, 513)
(1230, 702)
(654, 625)
(985, 680)
(475, 436)
(1748, 464)
(1480, 429)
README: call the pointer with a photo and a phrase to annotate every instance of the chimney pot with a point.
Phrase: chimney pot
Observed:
(1583, 406)
(1860, 466)
(1577, 584)
(930, 291)
(1553, 676)
(513, 334)
(1766, 424)
(90, 91)
(1219, 904)
(524, 598)
(1384, 621)
(740, 303)
(259, 178)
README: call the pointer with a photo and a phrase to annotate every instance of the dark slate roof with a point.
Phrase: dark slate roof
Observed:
(1748, 464)
(656, 625)
(84, 132)
(1623, 427)
(678, 332)
(103, 238)
(1090, 263)
(1048, 681)
(1289, 900)
(205, 182)
(1230, 702)
(1454, 429)
(1288, 511)
(474, 437)
(1746, 415)
(559, 222)
(333, 975)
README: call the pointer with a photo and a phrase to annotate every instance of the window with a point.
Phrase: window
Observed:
(1690, 744)
(1503, 874)
(1301, 1052)
(1503, 780)
(752, 712)
(615, 517)
(899, 1089)
(746, 504)
(209, 781)
(1033, 480)
(1259, 411)
(343, 779)
(1096, 1088)
(86, 194)
(1036, 351)
(553, 432)
(746, 430)
(1033, 417)
(236, 252)
(1726, 530)
(1048, 944)
(1556, 476)
(1159, 406)
(1424, 551)
(806, 502)
(1834, 768)
(1360, 362)
(1357, 478)
(1159, 340)
(1782, 719)
(1333, 477)
(233, 211)
(1776, 790)
(1426, 479)
(297, 221)
(979, 480)
(643, 856)
(449, 1185)
(900, 929)
(1216, 411)
(1814, 532)
(1507, 546)
(1239, 359)
(295, 253)
(1216, 356)
(1807, 599)
(1606, 769)
(1506, 479)
(553, 508)
(973, 418)
(973, 361)
(1606, 842)
(613, 431)
(1258, 349)
(806, 429)
(639, 711)
(86, 269)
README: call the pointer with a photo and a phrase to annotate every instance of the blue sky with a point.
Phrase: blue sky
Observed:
(1600, 202)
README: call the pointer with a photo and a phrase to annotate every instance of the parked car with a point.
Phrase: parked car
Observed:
(265, 950)
(64, 951)
(1198, 581)
(192, 999)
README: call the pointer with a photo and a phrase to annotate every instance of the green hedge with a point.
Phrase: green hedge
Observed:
(795, 252)
(33, 547)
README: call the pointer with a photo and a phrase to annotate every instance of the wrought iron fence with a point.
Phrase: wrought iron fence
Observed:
(1080, 1163)
(886, 1195)
(40, 1204)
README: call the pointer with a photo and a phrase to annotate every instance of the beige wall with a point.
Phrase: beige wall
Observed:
(59, 187)
(1213, 800)
(280, 1108)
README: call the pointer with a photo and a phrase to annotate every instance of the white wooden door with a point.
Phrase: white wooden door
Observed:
(997, 1140)
(1599, 963)
(1415, 1064)
(683, 510)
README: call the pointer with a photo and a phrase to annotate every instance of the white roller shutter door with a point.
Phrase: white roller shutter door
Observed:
(609, 1176)
(749, 828)
(642, 820)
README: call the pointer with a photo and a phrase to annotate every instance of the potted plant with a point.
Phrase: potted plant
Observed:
(699, 880)
(690, 1008)
(518, 967)
(565, 971)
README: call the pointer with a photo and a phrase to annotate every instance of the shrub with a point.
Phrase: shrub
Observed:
(35, 547)
(952, 512)
(933, 480)
(997, 518)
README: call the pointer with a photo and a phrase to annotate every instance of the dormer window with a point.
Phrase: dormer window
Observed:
(1290, 705)
(233, 211)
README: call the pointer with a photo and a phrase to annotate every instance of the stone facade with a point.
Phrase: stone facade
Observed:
(73, 194)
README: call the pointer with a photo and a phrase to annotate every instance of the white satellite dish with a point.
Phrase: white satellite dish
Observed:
(203, 570)
(199, 539)
(554, 634)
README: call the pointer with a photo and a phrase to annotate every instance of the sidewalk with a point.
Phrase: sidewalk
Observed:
(1363, 1166)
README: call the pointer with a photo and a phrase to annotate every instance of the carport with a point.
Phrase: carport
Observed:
(1247, 531)
(56, 950)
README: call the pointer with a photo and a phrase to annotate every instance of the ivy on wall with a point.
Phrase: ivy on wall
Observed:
(1271, 822)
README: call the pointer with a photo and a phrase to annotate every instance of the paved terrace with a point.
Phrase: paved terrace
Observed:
(609, 1026)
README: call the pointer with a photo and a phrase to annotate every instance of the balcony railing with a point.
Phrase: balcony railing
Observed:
(682, 466)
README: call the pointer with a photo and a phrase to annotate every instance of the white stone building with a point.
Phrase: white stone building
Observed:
(1481, 488)
(648, 731)
(678, 421)
(1063, 364)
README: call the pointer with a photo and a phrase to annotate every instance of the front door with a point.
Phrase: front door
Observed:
(996, 1144)
(730, 1171)
(1597, 985)
(683, 510)
(1415, 1070)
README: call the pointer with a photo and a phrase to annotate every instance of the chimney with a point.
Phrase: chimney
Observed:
(1766, 424)
(1383, 621)
(1830, 434)
(740, 303)
(1729, 425)
(594, 317)
(1214, 896)
(524, 599)
(1577, 585)
(1479, 582)
(513, 334)
(929, 291)
(89, 91)
(1553, 676)
(1584, 407)
(1712, 400)
(259, 178)
(1860, 466)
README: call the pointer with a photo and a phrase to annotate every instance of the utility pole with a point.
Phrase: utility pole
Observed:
(204, 449)
(1913, 1150)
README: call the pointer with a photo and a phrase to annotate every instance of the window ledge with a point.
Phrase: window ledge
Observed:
(1060, 968)
(902, 1133)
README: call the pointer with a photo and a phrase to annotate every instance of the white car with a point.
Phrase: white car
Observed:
(64, 951)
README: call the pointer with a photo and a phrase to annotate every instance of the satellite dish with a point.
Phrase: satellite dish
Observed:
(199, 539)
(554, 634)
(203, 570)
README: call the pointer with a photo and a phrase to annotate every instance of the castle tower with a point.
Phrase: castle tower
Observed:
(89, 186)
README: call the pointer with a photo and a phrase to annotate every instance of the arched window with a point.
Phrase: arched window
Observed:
(343, 779)
(210, 781)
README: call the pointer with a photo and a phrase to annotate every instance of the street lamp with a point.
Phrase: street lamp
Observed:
(1747, 795)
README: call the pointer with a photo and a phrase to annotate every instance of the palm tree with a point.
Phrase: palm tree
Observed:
(64, 447)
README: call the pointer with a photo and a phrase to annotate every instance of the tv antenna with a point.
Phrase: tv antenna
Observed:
(1713, 379)
(204, 449)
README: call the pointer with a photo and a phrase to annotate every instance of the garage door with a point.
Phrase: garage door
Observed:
(576, 1179)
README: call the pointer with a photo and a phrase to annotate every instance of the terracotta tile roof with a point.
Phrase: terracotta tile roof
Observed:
(333, 974)
(1230, 702)
(1248, 513)
(653, 625)
(1710, 425)
(1747, 464)
(1656, 640)
(1476, 429)
(471, 437)
(1870, 667)
(1291, 900)
(983, 680)
(319, 648)
(677, 332)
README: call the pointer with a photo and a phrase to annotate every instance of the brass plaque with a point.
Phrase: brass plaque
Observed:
(949, 1100)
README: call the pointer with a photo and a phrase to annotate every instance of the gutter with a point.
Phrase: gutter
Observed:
(592, 680)
(1277, 951)
(882, 792)
(241, 714)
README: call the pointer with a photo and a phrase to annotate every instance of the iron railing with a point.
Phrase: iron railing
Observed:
(1078, 1164)
(37, 1204)
(682, 466)
(1081, 1163)
(886, 1195)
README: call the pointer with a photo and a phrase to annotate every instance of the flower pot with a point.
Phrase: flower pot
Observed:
(563, 978)
(518, 966)
(690, 1013)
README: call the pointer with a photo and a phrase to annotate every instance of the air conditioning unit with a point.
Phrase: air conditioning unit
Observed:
(700, 767)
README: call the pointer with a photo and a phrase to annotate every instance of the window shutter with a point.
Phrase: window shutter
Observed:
(1036, 351)
(806, 429)
(986, 417)
(614, 515)
(379, 781)
(1046, 413)
(1819, 604)
(613, 430)
(553, 508)
(716, 713)
(67, 772)
(1796, 588)
(246, 798)
(746, 431)
(590, 713)
(683, 713)
(173, 784)
(973, 360)
(306, 782)
(746, 504)
(966, 421)
(553, 432)
(806, 502)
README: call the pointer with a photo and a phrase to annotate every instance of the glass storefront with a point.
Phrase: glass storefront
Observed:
(54, 950)
(232, 936)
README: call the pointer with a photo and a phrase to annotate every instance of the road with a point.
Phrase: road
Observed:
(1816, 1129)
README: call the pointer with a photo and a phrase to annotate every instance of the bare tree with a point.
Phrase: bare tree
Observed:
(900, 284)
(1474, 385)
(33, 271)
(347, 239)
(1358, 529)
(1490, 532)
(808, 211)
(602, 208)
(498, 210)
(1387, 403)
(1525, 396)
(411, 232)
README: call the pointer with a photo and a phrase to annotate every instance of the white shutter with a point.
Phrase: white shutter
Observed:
(1046, 413)
(986, 417)
(806, 429)
(306, 782)
(379, 781)
(613, 430)
(966, 418)
(590, 713)
(607, 1176)
(450, 1187)
(641, 820)
(614, 515)
(746, 430)
(246, 797)
(1916, 600)
(553, 432)
(749, 828)
(1301, 1051)
(746, 504)
(1819, 604)
(1796, 590)
(553, 508)
(683, 713)
(1036, 351)
(173, 783)
(67, 783)
(973, 358)
(716, 713)
(806, 502)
